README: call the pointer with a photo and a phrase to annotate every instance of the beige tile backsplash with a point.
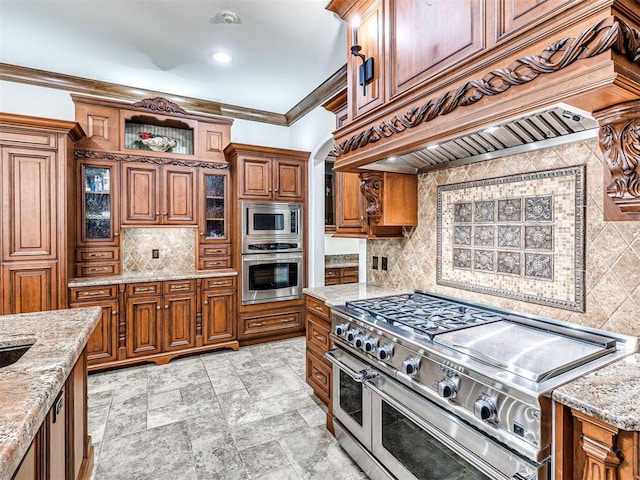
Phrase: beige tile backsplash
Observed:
(177, 248)
(612, 248)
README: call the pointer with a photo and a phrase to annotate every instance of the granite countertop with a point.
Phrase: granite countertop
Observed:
(29, 387)
(133, 277)
(334, 295)
(341, 261)
(611, 394)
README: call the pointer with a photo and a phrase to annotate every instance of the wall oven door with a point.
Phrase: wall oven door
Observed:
(409, 437)
(271, 277)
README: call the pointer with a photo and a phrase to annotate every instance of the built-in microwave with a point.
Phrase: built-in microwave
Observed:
(271, 219)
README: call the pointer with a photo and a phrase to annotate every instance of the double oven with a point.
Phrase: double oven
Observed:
(272, 252)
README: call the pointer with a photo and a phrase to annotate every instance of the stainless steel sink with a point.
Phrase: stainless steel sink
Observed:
(11, 354)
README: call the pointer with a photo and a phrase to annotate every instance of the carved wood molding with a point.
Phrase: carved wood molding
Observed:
(371, 188)
(620, 143)
(609, 34)
(160, 104)
(120, 157)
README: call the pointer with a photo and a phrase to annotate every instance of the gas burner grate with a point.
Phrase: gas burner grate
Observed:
(423, 313)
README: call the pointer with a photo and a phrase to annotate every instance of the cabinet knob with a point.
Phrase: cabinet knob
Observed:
(157, 213)
(276, 190)
(114, 312)
(201, 234)
(205, 302)
(115, 234)
(166, 307)
(158, 307)
(165, 213)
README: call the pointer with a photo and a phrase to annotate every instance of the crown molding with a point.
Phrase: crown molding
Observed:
(42, 78)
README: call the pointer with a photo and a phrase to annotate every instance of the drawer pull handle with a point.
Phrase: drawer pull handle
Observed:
(182, 287)
(318, 307)
(258, 324)
(166, 307)
(97, 269)
(96, 255)
(319, 337)
(93, 294)
(320, 377)
(145, 289)
(287, 320)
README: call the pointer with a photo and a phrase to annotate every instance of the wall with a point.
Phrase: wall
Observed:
(176, 247)
(612, 248)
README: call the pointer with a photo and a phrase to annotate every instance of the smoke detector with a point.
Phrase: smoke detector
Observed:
(226, 16)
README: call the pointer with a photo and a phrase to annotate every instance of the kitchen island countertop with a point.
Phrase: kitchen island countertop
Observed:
(28, 387)
(334, 295)
(135, 277)
(611, 394)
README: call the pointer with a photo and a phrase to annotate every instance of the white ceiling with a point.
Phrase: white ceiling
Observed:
(282, 49)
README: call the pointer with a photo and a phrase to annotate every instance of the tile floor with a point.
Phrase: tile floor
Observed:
(224, 415)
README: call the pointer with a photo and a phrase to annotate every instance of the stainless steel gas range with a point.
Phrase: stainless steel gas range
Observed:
(428, 387)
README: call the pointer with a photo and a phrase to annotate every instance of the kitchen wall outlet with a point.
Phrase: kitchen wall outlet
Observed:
(155, 253)
(374, 263)
(384, 263)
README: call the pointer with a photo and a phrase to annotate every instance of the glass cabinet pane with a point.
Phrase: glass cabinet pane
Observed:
(97, 203)
(215, 207)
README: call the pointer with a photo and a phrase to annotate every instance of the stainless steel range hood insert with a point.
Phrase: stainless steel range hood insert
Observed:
(552, 126)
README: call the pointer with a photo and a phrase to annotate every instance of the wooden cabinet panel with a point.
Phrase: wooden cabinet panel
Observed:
(289, 178)
(144, 289)
(78, 411)
(140, 194)
(222, 282)
(455, 31)
(179, 329)
(317, 307)
(255, 178)
(144, 327)
(97, 269)
(271, 324)
(318, 375)
(371, 39)
(514, 16)
(212, 139)
(29, 288)
(218, 316)
(317, 336)
(101, 125)
(102, 345)
(349, 204)
(57, 438)
(103, 292)
(29, 468)
(99, 203)
(179, 196)
(28, 206)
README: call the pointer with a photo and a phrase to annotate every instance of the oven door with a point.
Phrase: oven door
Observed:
(271, 277)
(412, 438)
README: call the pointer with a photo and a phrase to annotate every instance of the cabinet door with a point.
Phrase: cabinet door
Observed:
(29, 468)
(179, 195)
(28, 204)
(214, 206)
(218, 316)
(179, 322)
(140, 194)
(254, 178)
(144, 330)
(99, 193)
(57, 432)
(349, 205)
(29, 287)
(289, 180)
(102, 345)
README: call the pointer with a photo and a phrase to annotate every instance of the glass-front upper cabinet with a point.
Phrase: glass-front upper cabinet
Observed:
(97, 202)
(215, 206)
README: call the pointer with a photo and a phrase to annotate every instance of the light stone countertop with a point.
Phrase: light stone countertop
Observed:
(611, 394)
(29, 387)
(345, 264)
(334, 295)
(134, 277)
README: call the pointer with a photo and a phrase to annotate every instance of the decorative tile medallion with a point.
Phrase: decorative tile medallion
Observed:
(512, 228)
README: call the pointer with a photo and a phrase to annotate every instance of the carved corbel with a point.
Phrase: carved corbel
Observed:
(371, 188)
(620, 143)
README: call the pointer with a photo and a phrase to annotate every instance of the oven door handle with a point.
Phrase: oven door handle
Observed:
(360, 377)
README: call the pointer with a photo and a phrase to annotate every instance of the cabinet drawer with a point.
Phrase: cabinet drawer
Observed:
(349, 272)
(319, 377)
(144, 289)
(317, 307)
(317, 335)
(349, 279)
(215, 251)
(331, 281)
(93, 293)
(213, 263)
(272, 323)
(331, 273)
(97, 255)
(179, 286)
(222, 282)
(97, 269)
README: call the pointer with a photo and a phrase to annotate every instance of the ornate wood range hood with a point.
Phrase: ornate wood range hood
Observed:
(442, 76)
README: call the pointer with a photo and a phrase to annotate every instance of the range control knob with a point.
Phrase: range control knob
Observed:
(485, 409)
(448, 387)
(359, 340)
(411, 366)
(370, 345)
(351, 335)
(385, 352)
(341, 329)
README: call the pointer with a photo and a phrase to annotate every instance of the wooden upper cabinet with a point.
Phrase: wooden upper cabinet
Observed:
(158, 195)
(102, 125)
(263, 173)
(28, 204)
(350, 217)
(212, 138)
(513, 16)
(426, 38)
(371, 39)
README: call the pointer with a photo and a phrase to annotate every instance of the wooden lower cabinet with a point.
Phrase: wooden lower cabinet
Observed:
(270, 324)
(342, 275)
(157, 321)
(61, 450)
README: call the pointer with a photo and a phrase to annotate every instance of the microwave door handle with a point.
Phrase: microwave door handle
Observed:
(360, 377)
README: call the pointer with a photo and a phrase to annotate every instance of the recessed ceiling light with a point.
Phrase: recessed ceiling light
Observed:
(221, 57)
